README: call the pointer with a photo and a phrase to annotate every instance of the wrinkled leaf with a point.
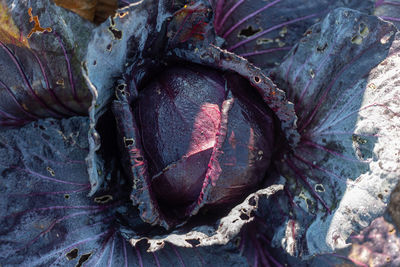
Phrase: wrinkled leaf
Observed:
(221, 233)
(48, 218)
(343, 78)
(133, 38)
(264, 31)
(120, 40)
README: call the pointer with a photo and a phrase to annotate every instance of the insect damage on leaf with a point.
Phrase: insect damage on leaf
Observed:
(37, 28)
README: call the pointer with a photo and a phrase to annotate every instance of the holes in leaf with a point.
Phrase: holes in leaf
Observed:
(60, 82)
(94, 63)
(363, 29)
(248, 32)
(41, 127)
(37, 28)
(83, 258)
(72, 254)
(244, 217)
(51, 171)
(122, 14)
(109, 47)
(193, 242)
(103, 199)
(252, 201)
(283, 32)
(380, 196)
(117, 34)
(121, 86)
(112, 21)
(136, 182)
(128, 142)
(319, 188)
(261, 41)
(66, 196)
(257, 79)
(312, 73)
(322, 47)
(356, 39)
(359, 139)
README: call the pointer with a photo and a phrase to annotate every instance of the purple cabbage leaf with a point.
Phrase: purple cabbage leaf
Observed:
(83, 191)
(40, 71)
(264, 31)
(141, 52)
(127, 37)
(49, 220)
(343, 81)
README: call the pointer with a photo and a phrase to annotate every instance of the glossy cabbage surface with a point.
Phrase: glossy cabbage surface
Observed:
(192, 116)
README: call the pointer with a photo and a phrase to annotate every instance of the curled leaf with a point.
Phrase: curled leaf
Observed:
(342, 78)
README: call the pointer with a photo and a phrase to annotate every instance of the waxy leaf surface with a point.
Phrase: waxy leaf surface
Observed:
(264, 31)
(343, 78)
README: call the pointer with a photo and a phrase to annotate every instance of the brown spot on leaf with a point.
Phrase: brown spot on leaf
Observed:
(37, 28)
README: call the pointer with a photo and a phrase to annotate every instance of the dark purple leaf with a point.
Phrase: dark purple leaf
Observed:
(342, 77)
(264, 31)
(187, 129)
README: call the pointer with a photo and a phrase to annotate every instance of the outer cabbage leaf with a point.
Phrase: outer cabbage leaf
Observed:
(120, 39)
(40, 76)
(48, 218)
(264, 31)
(222, 232)
(343, 78)
(140, 34)
(164, 39)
